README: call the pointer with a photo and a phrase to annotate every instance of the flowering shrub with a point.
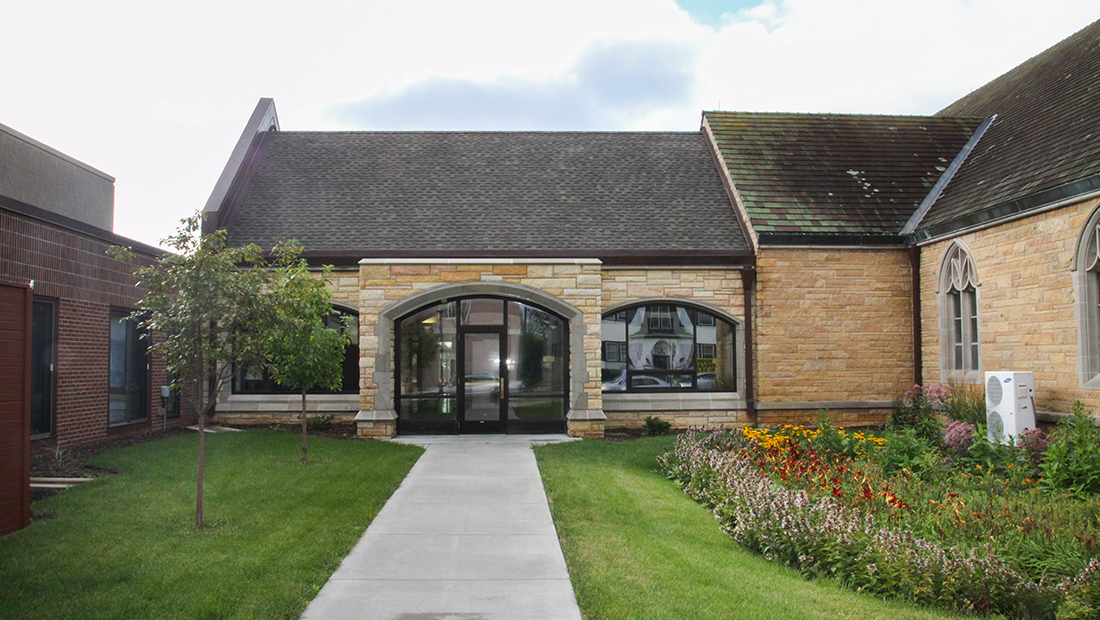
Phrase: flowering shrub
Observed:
(959, 437)
(987, 541)
(918, 408)
(1034, 444)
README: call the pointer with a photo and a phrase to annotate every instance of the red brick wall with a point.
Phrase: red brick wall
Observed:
(75, 269)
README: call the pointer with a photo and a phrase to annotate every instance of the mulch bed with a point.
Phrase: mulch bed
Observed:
(73, 462)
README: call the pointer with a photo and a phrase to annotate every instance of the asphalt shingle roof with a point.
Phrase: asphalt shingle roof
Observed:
(835, 173)
(491, 192)
(1047, 130)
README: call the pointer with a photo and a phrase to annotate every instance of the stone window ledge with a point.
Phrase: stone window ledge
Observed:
(673, 401)
(238, 403)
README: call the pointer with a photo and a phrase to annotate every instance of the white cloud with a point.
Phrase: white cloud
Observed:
(610, 86)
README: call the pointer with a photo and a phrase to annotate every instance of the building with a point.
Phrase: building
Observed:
(753, 272)
(77, 370)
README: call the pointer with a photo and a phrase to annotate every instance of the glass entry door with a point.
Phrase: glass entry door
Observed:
(484, 378)
(481, 365)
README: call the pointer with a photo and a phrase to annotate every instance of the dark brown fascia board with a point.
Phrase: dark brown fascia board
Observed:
(77, 226)
(264, 117)
(869, 240)
(235, 194)
(345, 258)
(1052, 197)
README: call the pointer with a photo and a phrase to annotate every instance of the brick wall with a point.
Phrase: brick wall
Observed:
(1026, 297)
(74, 269)
(834, 330)
(718, 288)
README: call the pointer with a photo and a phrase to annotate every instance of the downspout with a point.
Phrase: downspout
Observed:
(918, 358)
(748, 285)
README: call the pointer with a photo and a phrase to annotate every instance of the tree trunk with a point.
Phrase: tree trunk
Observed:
(202, 466)
(304, 447)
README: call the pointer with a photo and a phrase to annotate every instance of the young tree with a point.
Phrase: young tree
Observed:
(302, 352)
(207, 307)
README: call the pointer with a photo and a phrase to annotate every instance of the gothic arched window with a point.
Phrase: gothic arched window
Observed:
(959, 317)
(1087, 307)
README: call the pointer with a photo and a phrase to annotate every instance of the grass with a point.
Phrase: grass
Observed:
(125, 545)
(638, 547)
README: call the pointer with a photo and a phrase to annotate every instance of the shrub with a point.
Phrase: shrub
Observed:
(1033, 444)
(966, 403)
(959, 437)
(319, 423)
(655, 427)
(903, 450)
(917, 409)
(1072, 460)
(1082, 595)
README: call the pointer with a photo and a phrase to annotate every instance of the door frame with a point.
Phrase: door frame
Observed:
(483, 426)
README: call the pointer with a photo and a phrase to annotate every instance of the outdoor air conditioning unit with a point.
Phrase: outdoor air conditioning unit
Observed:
(1009, 405)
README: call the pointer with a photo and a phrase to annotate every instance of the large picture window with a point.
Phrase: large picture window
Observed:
(959, 326)
(259, 381)
(129, 371)
(667, 347)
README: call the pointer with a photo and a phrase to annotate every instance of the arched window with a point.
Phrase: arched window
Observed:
(961, 358)
(259, 381)
(670, 347)
(1087, 307)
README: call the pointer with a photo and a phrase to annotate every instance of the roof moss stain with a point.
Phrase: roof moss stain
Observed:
(834, 173)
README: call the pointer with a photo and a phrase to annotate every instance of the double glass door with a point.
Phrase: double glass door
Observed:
(481, 365)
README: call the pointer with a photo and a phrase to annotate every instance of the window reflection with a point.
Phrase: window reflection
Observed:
(667, 347)
(428, 348)
(535, 345)
(535, 361)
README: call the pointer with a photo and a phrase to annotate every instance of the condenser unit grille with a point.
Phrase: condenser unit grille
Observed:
(993, 391)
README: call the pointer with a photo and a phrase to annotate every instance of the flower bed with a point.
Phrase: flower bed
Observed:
(897, 517)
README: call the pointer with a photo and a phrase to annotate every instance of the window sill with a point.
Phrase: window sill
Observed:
(672, 401)
(248, 403)
(127, 426)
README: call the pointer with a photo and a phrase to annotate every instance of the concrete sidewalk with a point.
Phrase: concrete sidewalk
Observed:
(467, 536)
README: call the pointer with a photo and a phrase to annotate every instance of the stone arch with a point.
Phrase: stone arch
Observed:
(573, 317)
(1085, 269)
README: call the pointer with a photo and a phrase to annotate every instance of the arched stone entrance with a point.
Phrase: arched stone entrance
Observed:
(433, 397)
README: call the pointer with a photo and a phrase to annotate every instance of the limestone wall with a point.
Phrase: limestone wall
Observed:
(385, 283)
(1026, 303)
(833, 330)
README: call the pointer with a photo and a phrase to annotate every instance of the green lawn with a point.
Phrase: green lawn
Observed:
(638, 547)
(125, 545)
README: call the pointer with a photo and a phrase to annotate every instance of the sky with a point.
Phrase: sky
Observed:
(156, 94)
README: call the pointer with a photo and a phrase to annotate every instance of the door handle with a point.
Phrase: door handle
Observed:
(502, 385)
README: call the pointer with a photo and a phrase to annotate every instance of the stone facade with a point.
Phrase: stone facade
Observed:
(385, 284)
(834, 331)
(249, 409)
(1026, 303)
(716, 289)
